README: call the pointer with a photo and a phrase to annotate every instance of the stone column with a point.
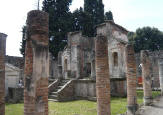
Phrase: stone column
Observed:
(78, 63)
(60, 76)
(2, 72)
(36, 64)
(146, 75)
(131, 80)
(102, 76)
(93, 71)
(160, 63)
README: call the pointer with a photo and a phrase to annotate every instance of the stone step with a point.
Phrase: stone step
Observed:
(53, 96)
(54, 100)
(54, 93)
(62, 84)
(64, 81)
(59, 87)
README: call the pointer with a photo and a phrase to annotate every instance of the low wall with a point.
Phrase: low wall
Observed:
(67, 92)
(85, 89)
(15, 95)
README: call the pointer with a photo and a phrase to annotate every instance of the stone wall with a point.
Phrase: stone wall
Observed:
(15, 61)
(67, 92)
(12, 77)
(85, 89)
(15, 95)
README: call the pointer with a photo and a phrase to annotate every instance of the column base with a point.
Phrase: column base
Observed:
(131, 109)
(148, 100)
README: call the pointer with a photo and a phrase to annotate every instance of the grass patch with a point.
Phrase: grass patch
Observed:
(79, 107)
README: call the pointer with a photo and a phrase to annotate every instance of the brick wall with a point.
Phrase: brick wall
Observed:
(2, 72)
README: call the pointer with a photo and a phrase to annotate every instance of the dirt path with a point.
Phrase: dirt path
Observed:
(155, 109)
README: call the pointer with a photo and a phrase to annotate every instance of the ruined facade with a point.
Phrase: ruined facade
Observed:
(77, 60)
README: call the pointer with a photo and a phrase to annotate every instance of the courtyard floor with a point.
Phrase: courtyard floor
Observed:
(78, 107)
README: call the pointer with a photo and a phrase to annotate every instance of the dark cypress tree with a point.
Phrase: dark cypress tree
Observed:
(60, 23)
(82, 21)
(95, 9)
(109, 16)
(22, 49)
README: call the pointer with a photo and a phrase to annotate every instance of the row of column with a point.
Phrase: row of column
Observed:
(37, 70)
(103, 78)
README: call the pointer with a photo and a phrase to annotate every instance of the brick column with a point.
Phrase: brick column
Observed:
(2, 72)
(131, 80)
(146, 75)
(36, 64)
(160, 63)
(102, 76)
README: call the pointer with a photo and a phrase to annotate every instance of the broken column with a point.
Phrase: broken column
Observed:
(146, 75)
(36, 64)
(102, 76)
(131, 80)
(160, 63)
(2, 72)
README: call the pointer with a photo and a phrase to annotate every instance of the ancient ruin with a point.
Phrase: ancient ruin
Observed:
(131, 80)
(77, 62)
(2, 72)
(161, 74)
(36, 64)
(102, 76)
(147, 77)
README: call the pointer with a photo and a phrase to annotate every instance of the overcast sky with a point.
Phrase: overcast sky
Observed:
(130, 14)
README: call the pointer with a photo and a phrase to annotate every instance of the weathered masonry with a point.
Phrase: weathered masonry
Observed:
(2, 72)
(131, 80)
(77, 60)
(102, 76)
(161, 74)
(147, 77)
(36, 64)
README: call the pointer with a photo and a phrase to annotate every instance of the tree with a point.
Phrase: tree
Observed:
(60, 23)
(146, 38)
(109, 16)
(22, 49)
(95, 9)
(82, 21)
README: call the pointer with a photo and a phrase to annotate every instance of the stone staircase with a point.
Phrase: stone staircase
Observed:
(53, 95)
(51, 80)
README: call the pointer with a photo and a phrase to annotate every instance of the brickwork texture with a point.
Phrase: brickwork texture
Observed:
(147, 76)
(36, 64)
(102, 75)
(2, 72)
(131, 79)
